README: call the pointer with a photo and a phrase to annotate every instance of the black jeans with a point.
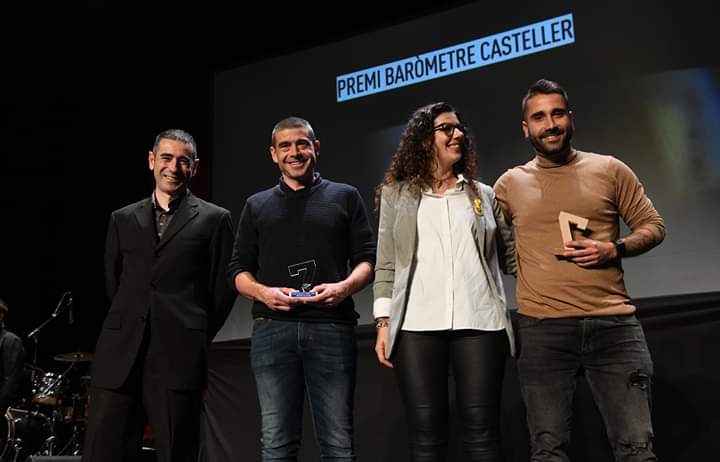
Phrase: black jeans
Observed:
(477, 358)
(612, 354)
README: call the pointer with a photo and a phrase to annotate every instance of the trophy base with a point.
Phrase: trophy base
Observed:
(559, 253)
(298, 293)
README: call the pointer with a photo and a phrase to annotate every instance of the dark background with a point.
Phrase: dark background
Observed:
(87, 86)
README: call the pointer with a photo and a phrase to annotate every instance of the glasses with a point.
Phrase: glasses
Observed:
(449, 129)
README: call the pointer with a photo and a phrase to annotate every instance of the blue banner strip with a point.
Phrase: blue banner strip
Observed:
(521, 41)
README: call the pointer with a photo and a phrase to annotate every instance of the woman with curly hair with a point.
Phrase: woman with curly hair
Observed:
(439, 301)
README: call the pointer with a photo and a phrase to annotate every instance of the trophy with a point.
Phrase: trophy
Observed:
(566, 221)
(305, 273)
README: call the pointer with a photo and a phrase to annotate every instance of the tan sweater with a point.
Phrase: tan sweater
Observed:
(597, 187)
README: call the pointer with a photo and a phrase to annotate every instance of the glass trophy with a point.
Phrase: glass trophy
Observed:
(304, 272)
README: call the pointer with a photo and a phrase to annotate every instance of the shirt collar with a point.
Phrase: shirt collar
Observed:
(459, 184)
(545, 162)
(315, 181)
(172, 205)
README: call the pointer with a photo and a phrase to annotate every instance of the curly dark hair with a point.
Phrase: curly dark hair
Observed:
(414, 158)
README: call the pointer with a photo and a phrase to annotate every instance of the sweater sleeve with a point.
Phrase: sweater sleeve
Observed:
(362, 240)
(505, 238)
(634, 206)
(245, 249)
(500, 190)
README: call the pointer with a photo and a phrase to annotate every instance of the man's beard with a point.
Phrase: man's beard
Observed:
(545, 151)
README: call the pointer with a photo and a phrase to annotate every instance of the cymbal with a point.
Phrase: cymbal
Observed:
(33, 367)
(74, 357)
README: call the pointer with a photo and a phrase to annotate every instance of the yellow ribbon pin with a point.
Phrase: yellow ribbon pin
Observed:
(477, 206)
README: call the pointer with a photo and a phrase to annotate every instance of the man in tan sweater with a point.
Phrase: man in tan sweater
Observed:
(574, 313)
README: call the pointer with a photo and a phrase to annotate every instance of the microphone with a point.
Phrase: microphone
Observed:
(61, 303)
(65, 301)
(71, 317)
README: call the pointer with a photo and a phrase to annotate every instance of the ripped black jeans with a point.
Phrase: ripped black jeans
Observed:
(612, 354)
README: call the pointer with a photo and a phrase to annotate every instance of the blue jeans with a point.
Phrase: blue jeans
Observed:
(612, 354)
(290, 357)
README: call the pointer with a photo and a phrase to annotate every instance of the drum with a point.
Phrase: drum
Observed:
(7, 432)
(49, 389)
(76, 408)
(22, 434)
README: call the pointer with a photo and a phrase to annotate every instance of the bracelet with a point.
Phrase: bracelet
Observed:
(382, 322)
(620, 246)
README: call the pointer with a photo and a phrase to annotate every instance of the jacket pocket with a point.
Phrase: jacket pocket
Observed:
(113, 321)
(195, 321)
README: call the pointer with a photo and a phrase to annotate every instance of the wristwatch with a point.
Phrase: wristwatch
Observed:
(620, 246)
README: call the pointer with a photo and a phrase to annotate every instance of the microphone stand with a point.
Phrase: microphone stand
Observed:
(34, 335)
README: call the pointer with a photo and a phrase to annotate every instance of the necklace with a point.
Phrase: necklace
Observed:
(442, 184)
(449, 178)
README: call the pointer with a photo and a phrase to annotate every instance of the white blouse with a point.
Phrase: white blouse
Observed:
(449, 289)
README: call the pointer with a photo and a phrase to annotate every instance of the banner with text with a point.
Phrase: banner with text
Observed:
(521, 41)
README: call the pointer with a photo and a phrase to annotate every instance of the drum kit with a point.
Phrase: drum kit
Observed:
(50, 418)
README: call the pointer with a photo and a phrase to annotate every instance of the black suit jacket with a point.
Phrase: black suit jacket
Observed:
(12, 363)
(178, 283)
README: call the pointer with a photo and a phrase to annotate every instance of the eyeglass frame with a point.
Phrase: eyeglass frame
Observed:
(449, 128)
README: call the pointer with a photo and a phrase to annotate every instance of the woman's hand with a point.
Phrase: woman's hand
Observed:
(381, 344)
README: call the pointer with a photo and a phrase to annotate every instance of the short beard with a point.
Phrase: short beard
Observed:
(564, 147)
